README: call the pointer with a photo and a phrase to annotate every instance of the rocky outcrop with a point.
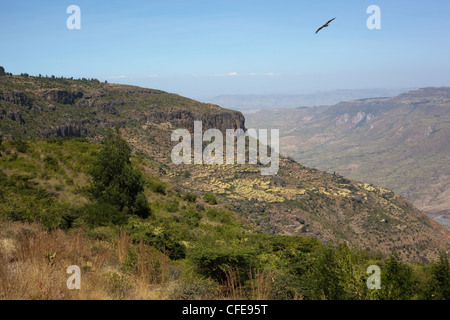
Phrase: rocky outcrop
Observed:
(14, 115)
(62, 96)
(109, 106)
(185, 119)
(91, 109)
(16, 97)
(67, 130)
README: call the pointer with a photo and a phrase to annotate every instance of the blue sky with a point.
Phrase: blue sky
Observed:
(206, 48)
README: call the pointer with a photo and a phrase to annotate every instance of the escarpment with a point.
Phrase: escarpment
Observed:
(73, 108)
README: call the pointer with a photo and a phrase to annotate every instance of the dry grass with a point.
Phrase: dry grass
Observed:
(152, 265)
(34, 260)
(261, 284)
(233, 288)
(33, 263)
(123, 244)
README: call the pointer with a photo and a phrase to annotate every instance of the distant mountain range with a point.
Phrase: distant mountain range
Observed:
(401, 143)
(270, 101)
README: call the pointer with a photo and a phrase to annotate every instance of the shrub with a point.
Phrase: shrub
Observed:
(216, 262)
(194, 288)
(103, 214)
(159, 234)
(20, 145)
(119, 286)
(186, 174)
(210, 198)
(141, 206)
(157, 186)
(222, 215)
(192, 217)
(172, 206)
(190, 197)
(50, 162)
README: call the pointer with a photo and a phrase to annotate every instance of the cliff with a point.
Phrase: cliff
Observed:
(45, 108)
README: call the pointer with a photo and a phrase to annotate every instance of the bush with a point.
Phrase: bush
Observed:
(157, 186)
(190, 197)
(186, 174)
(159, 234)
(222, 215)
(210, 198)
(142, 207)
(192, 217)
(50, 162)
(119, 286)
(172, 206)
(215, 262)
(20, 145)
(103, 214)
(194, 288)
(33, 205)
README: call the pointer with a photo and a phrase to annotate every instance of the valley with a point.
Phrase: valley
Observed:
(401, 143)
(184, 231)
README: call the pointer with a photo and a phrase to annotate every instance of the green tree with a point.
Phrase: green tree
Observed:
(440, 279)
(338, 274)
(327, 276)
(397, 281)
(115, 181)
(2, 71)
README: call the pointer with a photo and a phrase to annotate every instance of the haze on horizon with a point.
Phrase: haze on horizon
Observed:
(205, 48)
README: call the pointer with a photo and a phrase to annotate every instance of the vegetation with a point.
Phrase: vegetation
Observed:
(116, 184)
(112, 202)
(331, 208)
(210, 198)
(179, 251)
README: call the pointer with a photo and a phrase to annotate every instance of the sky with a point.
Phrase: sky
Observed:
(205, 48)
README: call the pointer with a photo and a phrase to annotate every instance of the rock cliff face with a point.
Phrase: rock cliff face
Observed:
(67, 130)
(61, 96)
(185, 119)
(75, 109)
(16, 97)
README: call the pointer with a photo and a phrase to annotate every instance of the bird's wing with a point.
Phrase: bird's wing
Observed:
(325, 25)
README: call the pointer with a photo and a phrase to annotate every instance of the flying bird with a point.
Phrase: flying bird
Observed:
(325, 25)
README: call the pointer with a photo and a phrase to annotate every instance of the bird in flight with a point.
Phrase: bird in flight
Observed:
(325, 25)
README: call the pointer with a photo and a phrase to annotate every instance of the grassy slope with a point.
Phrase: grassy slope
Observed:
(127, 262)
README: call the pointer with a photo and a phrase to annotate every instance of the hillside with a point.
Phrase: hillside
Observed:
(297, 201)
(47, 107)
(400, 143)
(189, 247)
